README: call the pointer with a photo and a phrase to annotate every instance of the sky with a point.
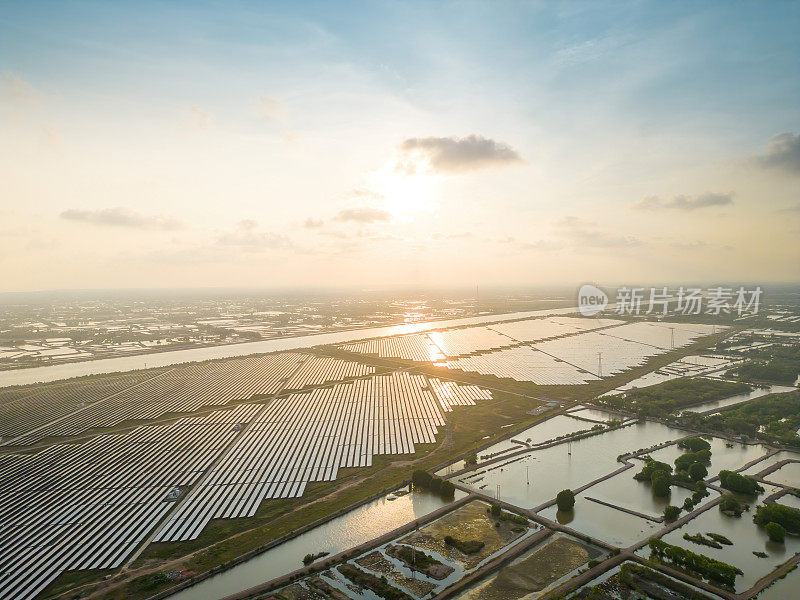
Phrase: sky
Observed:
(215, 144)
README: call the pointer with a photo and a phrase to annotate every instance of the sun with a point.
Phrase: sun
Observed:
(405, 195)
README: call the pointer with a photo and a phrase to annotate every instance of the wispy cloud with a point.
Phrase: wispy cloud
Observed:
(689, 245)
(586, 234)
(246, 235)
(453, 154)
(194, 119)
(311, 223)
(684, 203)
(363, 215)
(783, 153)
(122, 217)
(271, 109)
(17, 92)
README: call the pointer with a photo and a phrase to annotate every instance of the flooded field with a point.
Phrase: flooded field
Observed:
(783, 588)
(746, 537)
(788, 474)
(725, 455)
(557, 426)
(625, 491)
(537, 477)
(356, 527)
(603, 522)
(536, 571)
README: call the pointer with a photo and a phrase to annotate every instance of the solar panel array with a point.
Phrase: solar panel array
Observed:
(451, 394)
(309, 436)
(417, 347)
(533, 330)
(320, 370)
(437, 346)
(622, 347)
(24, 409)
(574, 359)
(186, 389)
(523, 363)
(661, 335)
(458, 342)
(88, 506)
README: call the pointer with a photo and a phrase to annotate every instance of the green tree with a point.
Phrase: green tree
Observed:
(447, 490)
(661, 483)
(698, 471)
(671, 513)
(565, 500)
(775, 532)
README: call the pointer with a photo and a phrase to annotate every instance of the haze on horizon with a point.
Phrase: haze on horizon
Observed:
(205, 144)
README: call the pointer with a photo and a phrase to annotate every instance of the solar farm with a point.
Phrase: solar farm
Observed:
(92, 471)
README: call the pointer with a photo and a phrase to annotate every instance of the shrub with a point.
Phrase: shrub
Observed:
(447, 489)
(652, 466)
(565, 500)
(775, 532)
(694, 444)
(465, 546)
(739, 483)
(471, 459)
(661, 483)
(707, 567)
(785, 516)
(684, 461)
(423, 479)
(698, 471)
(730, 504)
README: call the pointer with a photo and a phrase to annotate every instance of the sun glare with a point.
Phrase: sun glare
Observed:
(405, 195)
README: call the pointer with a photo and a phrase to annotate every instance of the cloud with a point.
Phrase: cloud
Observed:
(17, 92)
(271, 109)
(363, 215)
(194, 118)
(454, 155)
(689, 245)
(585, 234)
(684, 203)
(310, 223)
(246, 236)
(783, 153)
(122, 217)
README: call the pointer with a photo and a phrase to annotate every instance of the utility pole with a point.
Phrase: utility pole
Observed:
(672, 338)
(599, 364)
(498, 491)
(527, 475)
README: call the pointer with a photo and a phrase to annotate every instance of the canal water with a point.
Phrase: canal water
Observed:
(756, 393)
(351, 529)
(538, 476)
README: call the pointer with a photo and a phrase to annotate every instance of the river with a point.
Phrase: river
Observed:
(175, 357)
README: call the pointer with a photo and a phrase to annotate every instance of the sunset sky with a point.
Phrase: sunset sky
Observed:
(172, 144)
